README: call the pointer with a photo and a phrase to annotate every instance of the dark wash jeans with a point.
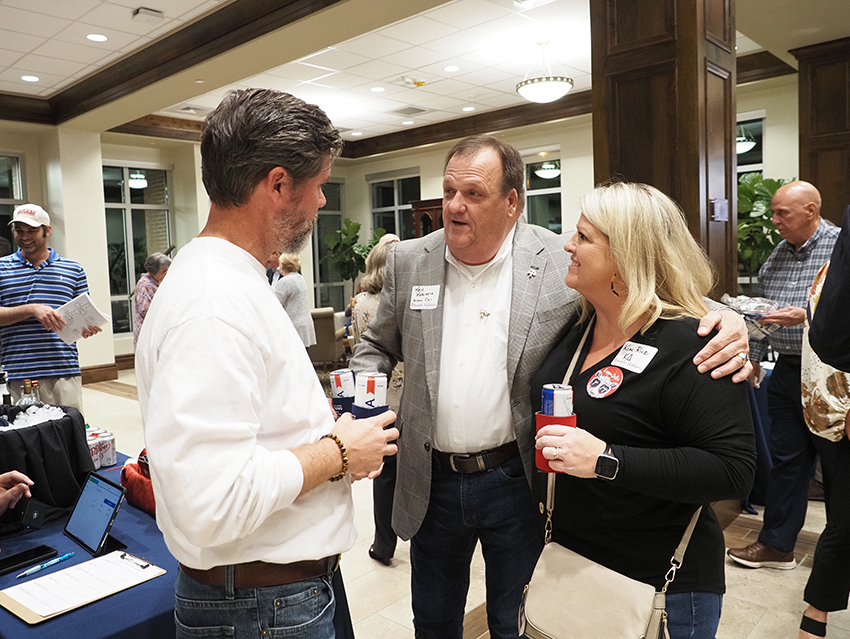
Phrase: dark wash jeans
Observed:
(303, 610)
(495, 507)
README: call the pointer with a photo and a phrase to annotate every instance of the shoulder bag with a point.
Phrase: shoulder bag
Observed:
(572, 597)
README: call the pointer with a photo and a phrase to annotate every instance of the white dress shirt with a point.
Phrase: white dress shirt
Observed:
(473, 400)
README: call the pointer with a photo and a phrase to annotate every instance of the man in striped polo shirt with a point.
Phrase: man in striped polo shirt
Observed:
(34, 282)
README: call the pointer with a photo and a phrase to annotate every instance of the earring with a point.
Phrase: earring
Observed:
(613, 277)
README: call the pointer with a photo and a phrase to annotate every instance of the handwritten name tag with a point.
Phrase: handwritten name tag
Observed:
(424, 297)
(634, 357)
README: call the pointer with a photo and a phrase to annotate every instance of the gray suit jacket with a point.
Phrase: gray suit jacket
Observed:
(542, 309)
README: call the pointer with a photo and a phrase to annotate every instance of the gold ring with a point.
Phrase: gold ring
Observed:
(557, 453)
(743, 357)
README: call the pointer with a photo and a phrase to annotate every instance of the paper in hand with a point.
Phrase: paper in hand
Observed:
(79, 314)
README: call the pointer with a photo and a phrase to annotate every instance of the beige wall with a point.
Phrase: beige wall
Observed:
(778, 99)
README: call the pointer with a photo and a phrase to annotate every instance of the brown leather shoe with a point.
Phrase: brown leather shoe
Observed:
(759, 555)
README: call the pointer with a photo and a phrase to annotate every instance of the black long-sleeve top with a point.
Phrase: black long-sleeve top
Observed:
(828, 333)
(682, 439)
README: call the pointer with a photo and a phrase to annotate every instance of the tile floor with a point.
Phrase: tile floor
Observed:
(759, 604)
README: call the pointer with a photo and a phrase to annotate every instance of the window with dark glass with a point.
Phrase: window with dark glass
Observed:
(543, 194)
(391, 208)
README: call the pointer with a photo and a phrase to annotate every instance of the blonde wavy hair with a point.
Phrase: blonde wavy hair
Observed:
(666, 272)
(373, 281)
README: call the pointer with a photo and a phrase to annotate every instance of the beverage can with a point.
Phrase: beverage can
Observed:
(108, 451)
(557, 400)
(342, 383)
(370, 390)
(94, 450)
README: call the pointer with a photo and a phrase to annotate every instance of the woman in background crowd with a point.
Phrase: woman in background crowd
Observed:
(156, 266)
(655, 439)
(363, 308)
(291, 292)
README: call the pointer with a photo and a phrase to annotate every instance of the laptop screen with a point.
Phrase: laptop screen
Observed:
(94, 512)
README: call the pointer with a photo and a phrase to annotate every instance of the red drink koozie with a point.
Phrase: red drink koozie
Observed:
(545, 420)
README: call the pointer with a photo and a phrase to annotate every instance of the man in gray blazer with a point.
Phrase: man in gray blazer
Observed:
(472, 310)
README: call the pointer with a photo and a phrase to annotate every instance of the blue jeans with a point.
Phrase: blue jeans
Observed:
(495, 507)
(693, 615)
(793, 450)
(303, 610)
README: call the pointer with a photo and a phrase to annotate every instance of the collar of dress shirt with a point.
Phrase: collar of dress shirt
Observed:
(471, 272)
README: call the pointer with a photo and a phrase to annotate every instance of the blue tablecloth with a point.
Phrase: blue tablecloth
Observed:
(145, 611)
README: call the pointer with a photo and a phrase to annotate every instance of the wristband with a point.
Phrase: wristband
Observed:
(344, 454)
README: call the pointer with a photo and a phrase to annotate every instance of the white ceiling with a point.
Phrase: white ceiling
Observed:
(47, 38)
(493, 42)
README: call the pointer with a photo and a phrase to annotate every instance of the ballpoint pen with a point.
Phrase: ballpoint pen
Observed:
(46, 564)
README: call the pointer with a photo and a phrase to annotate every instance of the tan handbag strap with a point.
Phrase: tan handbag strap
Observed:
(678, 555)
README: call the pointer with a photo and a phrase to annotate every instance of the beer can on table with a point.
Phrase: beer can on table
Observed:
(557, 400)
(370, 390)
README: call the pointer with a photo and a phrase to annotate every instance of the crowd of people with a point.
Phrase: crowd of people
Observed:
(252, 469)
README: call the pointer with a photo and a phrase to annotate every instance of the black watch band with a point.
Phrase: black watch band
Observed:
(607, 465)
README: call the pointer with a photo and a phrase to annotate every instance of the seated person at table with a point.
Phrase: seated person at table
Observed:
(675, 439)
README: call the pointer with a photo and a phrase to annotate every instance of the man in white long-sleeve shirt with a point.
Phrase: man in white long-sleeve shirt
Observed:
(253, 497)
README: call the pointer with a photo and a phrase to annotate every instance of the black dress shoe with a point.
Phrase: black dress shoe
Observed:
(381, 560)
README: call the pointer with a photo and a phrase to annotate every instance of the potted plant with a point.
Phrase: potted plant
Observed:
(345, 254)
(757, 236)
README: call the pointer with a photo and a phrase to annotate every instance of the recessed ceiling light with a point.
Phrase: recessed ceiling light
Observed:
(408, 122)
(378, 89)
(356, 134)
(451, 68)
(468, 109)
(97, 37)
(30, 78)
(199, 81)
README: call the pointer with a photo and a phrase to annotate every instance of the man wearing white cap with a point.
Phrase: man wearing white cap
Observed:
(34, 282)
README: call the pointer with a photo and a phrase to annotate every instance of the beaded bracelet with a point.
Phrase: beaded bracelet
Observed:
(339, 443)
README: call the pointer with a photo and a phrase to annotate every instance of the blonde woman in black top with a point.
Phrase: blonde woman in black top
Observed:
(668, 438)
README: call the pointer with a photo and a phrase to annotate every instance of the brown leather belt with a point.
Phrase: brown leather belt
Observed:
(476, 462)
(259, 574)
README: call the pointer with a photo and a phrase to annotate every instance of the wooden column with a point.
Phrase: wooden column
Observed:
(664, 110)
(824, 94)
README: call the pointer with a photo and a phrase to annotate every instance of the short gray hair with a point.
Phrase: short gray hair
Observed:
(156, 262)
(253, 131)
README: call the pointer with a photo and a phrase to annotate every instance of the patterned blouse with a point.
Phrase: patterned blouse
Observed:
(142, 297)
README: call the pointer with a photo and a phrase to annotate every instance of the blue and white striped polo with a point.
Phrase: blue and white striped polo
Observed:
(28, 349)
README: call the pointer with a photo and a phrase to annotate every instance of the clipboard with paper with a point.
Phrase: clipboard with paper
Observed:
(59, 592)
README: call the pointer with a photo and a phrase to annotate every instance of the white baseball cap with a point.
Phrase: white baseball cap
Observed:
(31, 214)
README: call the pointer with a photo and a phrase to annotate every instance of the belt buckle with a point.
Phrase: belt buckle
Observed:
(479, 458)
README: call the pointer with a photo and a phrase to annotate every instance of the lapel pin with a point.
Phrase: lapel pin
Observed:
(531, 273)
(483, 313)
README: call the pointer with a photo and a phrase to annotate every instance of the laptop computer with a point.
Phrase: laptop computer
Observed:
(94, 513)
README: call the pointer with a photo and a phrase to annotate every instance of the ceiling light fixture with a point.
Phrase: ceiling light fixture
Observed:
(377, 89)
(30, 78)
(97, 37)
(451, 68)
(356, 134)
(744, 141)
(544, 87)
(548, 170)
(137, 181)
(468, 109)
(408, 122)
